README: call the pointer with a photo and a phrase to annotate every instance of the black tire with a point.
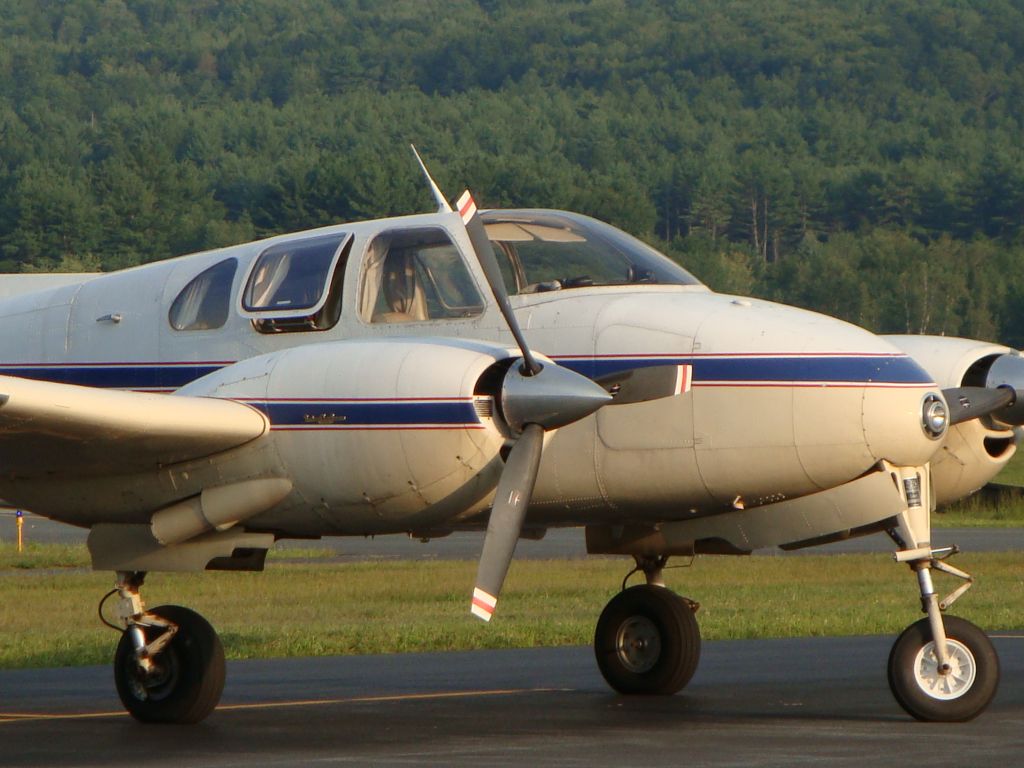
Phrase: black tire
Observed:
(925, 695)
(647, 641)
(189, 676)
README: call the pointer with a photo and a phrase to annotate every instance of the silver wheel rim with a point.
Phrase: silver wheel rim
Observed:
(638, 644)
(962, 671)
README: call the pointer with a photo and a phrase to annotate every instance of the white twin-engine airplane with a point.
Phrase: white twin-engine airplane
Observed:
(359, 380)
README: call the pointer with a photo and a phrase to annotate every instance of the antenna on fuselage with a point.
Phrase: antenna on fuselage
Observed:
(442, 204)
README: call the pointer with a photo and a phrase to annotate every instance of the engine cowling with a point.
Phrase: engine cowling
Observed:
(374, 435)
(973, 452)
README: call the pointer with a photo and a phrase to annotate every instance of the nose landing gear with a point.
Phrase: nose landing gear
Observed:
(169, 664)
(941, 669)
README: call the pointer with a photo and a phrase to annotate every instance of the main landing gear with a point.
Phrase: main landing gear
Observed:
(169, 664)
(647, 640)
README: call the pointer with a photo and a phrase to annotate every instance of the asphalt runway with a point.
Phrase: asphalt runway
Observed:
(820, 702)
(558, 543)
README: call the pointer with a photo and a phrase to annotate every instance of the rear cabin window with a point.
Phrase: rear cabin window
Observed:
(416, 276)
(204, 303)
(292, 286)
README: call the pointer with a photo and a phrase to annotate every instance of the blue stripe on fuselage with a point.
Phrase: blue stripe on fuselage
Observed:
(106, 376)
(830, 369)
(366, 414)
(753, 369)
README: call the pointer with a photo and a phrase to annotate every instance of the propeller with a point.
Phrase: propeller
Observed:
(638, 385)
(1001, 397)
(536, 398)
(966, 403)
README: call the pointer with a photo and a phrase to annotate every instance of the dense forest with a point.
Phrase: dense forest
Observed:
(862, 158)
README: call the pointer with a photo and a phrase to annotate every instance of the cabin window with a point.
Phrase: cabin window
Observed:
(416, 276)
(291, 278)
(204, 303)
(297, 285)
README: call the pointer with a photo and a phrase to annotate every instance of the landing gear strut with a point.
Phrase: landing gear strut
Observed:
(647, 640)
(169, 664)
(941, 669)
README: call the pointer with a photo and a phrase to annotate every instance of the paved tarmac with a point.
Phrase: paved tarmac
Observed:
(820, 702)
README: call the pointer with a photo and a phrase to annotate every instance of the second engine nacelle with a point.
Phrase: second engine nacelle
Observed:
(973, 452)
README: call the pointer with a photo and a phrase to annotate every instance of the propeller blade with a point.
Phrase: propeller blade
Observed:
(966, 403)
(639, 385)
(485, 255)
(510, 502)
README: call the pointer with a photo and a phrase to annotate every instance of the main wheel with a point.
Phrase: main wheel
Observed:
(647, 641)
(927, 694)
(188, 676)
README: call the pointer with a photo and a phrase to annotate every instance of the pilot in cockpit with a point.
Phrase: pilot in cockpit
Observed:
(404, 300)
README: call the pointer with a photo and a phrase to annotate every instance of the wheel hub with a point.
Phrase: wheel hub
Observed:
(638, 644)
(950, 684)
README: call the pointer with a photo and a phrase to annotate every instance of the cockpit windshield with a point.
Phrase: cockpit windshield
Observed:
(550, 251)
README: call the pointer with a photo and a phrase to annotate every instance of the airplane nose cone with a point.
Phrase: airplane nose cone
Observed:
(904, 425)
(819, 397)
(780, 401)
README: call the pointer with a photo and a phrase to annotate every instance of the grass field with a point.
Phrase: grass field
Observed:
(990, 510)
(48, 615)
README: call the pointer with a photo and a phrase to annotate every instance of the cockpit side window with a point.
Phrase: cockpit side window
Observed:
(415, 276)
(205, 302)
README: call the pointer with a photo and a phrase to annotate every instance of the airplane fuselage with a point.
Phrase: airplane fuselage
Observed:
(778, 402)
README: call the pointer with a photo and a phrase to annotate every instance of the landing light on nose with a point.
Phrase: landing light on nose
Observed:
(934, 416)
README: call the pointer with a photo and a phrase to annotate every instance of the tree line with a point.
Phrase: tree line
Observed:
(861, 158)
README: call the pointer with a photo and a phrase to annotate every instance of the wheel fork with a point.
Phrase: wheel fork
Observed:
(131, 611)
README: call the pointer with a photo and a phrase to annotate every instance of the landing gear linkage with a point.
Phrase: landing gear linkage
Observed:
(131, 612)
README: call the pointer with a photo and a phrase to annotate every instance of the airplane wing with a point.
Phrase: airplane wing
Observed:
(47, 427)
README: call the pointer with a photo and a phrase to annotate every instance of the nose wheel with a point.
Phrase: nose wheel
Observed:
(929, 690)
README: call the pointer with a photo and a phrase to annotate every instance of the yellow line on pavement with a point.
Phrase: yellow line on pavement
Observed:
(26, 717)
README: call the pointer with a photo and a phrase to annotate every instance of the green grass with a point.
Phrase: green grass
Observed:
(1005, 510)
(48, 618)
(1013, 472)
(37, 556)
(989, 510)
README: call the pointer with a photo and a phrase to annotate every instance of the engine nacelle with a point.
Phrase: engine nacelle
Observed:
(374, 432)
(973, 452)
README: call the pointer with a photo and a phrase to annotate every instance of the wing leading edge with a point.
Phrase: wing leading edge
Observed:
(46, 428)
